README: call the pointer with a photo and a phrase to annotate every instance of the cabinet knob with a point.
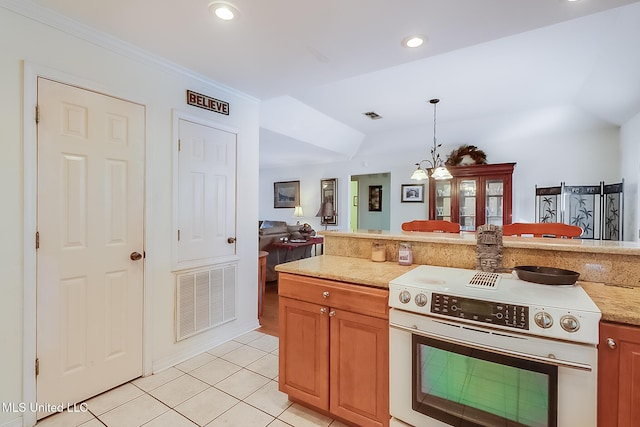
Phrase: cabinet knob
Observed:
(231, 240)
(323, 310)
(325, 294)
(611, 343)
(332, 313)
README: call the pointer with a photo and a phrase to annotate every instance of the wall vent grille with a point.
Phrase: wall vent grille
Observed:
(484, 280)
(205, 299)
(372, 115)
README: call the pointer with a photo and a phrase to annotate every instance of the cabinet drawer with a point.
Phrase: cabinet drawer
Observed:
(346, 296)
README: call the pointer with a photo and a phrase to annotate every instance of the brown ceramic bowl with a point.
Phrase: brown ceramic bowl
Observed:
(546, 275)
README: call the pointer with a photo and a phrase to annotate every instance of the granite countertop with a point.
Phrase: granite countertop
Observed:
(345, 269)
(618, 304)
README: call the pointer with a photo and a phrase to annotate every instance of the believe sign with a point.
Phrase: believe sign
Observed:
(208, 103)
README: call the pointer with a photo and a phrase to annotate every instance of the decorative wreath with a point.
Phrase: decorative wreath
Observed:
(466, 155)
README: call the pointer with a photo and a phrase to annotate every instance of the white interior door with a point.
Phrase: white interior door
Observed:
(206, 194)
(90, 225)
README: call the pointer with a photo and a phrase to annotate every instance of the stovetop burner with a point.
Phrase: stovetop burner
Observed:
(497, 300)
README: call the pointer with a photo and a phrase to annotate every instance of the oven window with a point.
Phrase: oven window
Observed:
(467, 387)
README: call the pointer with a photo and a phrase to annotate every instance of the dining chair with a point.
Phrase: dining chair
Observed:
(542, 229)
(431, 225)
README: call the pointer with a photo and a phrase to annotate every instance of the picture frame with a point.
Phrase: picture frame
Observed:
(328, 211)
(375, 198)
(412, 193)
(286, 194)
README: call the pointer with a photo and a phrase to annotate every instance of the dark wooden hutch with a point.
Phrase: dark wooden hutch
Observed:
(477, 195)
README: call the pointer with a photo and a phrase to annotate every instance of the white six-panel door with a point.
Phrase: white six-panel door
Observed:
(206, 194)
(90, 223)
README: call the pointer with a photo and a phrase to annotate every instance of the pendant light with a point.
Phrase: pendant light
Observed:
(440, 172)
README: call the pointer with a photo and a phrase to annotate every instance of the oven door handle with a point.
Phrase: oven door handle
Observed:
(517, 354)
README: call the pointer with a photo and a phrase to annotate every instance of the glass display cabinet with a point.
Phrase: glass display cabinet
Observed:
(477, 195)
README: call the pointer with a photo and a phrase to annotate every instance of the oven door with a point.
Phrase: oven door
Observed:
(445, 373)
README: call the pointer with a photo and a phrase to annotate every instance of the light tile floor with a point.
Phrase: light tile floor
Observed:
(234, 384)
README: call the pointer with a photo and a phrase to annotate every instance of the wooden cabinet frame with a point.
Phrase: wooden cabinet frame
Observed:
(334, 348)
(618, 375)
(481, 174)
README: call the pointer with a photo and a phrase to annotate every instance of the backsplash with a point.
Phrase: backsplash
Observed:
(595, 264)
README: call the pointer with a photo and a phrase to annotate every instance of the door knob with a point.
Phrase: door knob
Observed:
(231, 240)
(135, 256)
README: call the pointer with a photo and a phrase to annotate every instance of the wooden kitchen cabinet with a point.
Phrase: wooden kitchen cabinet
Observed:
(334, 348)
(477, 195)
(618, 375)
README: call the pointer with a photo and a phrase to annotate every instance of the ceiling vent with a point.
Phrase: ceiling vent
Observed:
(372, 115)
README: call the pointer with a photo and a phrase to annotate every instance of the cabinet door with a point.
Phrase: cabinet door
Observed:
(443, 200)
(494, 201)
(304, 351)
(618, 376)
(359, 377)
(467, 204)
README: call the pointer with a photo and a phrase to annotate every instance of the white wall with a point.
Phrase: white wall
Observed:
(630, 169)
(577, 157)
(134, 77)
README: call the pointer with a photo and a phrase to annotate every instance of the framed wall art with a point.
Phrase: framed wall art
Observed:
(375, 198)
(328, 211)
(412, 193)
(286, 194)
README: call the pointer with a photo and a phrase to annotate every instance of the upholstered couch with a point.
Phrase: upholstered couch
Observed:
(271, 232)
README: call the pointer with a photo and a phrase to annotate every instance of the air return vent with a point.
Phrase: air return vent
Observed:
(205, 299)
(372, 115)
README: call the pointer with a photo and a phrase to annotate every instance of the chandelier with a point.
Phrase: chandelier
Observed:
(436, 163)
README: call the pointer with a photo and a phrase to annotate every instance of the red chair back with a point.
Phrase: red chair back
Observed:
(431, 225)
(542, 229)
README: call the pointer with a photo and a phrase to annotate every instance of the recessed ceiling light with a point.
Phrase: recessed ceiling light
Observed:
(415, 40)
(223, 10)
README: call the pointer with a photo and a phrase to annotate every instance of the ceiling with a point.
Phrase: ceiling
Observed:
(317, 66)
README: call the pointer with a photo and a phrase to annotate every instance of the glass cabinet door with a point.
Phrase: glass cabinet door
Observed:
(467, 202)
(443, 200)
(494, 193)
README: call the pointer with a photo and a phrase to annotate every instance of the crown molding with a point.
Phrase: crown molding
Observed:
(76, 29)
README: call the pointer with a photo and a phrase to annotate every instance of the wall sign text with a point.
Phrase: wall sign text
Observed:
(208, 103)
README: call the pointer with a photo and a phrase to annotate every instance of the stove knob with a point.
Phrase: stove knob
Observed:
(405, 297)
(543, 319)
(569, 323)
(421, 300)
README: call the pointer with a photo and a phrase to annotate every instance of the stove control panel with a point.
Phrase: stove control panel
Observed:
(495, 313)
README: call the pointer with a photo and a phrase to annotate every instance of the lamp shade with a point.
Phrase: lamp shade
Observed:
(419, 174)
(326, 211)
(441, 172)
(297, 212)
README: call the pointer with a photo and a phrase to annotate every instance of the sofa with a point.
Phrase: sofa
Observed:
(270, 232)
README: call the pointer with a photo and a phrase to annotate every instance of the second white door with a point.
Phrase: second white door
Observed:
(206, 194)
